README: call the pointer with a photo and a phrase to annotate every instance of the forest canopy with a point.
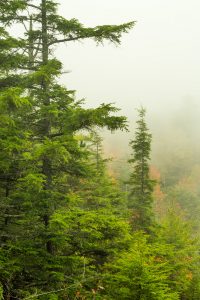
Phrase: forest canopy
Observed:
(70, 229)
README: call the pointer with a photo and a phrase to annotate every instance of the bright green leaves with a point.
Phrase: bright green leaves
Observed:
(94, 232)
(1, 292)
(183, 256)
(32, 182)
(141, 273)
(47, 72)
(56, 151)
(58, 223)
(11, 99)
(101, 116)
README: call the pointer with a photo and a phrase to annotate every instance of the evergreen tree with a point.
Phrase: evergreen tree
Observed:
(183, 253)
(45, 162)
(14, 105)
(142, 272)
(141, 186)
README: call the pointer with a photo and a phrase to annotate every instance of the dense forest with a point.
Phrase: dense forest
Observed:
(71, 226)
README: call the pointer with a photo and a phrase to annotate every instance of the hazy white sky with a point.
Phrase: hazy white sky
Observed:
(157, 65)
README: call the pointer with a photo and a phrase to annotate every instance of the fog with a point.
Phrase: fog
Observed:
(157, 66)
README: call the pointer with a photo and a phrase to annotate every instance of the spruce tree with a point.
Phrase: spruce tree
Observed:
(96, 226)
(141, 186)
(49, 163)
(14, 105)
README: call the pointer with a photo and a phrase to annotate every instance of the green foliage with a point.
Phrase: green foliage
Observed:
(49, 237)
(183, 256)
(74, 30)
(141, 273)
(65, 228)
(1, 292)
(141, 186)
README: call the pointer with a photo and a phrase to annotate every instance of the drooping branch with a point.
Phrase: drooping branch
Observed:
(75, 31)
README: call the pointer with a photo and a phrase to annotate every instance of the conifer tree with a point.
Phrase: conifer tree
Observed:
(141, 186)
(14, 105)
(49, 162)
(176, 232)
(95, 225)
(142, 272)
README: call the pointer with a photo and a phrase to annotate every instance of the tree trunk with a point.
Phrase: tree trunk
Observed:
(46, 126)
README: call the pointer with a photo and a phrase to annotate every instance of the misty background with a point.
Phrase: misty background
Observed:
(156, 66)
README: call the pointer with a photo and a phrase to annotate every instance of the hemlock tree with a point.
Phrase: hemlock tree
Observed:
(52, 162)
(141, 186)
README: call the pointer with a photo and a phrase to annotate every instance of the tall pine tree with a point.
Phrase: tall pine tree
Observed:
(141, 186)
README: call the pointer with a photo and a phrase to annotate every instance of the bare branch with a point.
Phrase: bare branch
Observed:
(56, 134)
(25, 26)
(38, 48)
(34, 6)
(68, 40)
